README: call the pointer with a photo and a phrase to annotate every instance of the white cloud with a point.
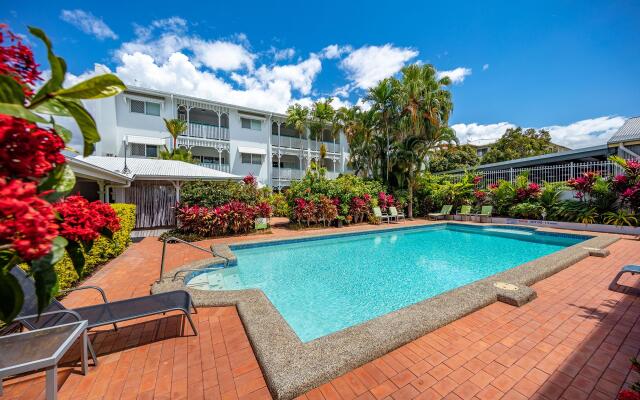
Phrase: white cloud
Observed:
(282, 54)
(221, 55)
(369, 64)
(456, 75)
(584, 133)
(88, 23)
(485, 67)
(335, 51)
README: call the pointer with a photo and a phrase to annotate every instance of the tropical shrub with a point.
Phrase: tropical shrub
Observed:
(526, 211)
(279, 205)
(620, 218)
(102, 250)
(327, 210)
(35, 228)
(214, 194)
(385, 201)
(232, 218)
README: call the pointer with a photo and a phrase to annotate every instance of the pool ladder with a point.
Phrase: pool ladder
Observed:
(175, 239)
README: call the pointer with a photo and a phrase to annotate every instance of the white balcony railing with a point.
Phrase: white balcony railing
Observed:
(288, 142)
(331, 147)
(207, 131)
(217, 167)
(287, 174)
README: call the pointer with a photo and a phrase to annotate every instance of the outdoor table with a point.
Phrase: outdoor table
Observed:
(41, 349)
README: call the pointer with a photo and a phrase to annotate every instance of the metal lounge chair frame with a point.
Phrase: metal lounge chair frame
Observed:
(395, 214)
(107, 313)
(446, 210)
(377, 212)
(627, 269)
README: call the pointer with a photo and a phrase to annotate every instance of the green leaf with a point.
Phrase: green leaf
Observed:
(87, 246)
(11, 296)
(61, 180)
(106, 85)
(10, 91)
(106, 233)
(63, 132)
(19, 111)
(85, 122)
(52, 107)
(58, 68)
(45, 275)
(77, 256)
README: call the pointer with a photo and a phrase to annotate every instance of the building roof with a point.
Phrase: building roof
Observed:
(84, 169)
(578, 155)
(629, 131)
(154, 169)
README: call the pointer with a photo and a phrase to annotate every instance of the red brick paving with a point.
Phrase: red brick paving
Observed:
(572, 342)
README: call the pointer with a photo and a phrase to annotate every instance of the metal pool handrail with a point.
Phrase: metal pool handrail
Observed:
(195, 270)
(175, 239)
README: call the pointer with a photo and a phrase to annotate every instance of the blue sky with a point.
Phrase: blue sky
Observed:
(572, 67)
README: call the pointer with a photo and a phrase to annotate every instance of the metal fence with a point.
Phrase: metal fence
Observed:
(547, 173)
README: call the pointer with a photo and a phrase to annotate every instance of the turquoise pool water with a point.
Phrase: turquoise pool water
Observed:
(323, 286)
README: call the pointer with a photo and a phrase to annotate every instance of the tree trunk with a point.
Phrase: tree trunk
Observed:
(410, 195)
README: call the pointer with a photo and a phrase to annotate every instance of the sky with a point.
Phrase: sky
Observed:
(571, 67)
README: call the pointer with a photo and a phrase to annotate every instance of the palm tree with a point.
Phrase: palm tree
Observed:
(298, 119)
(382, 97)
(176, 127)
(322, 114)
(178, 154)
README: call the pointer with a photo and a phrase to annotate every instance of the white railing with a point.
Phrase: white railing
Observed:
(331, 147)
(287, 174)
(216, 166)
(207, 131)
(288, 142)
(547, 173)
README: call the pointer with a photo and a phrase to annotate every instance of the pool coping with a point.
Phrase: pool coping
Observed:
(291, 367)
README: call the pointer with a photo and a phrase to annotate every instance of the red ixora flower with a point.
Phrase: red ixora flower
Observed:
(26, 150)
(627, 394)
(27, 222)
(250, 180)
(17, 61)
(83, 221)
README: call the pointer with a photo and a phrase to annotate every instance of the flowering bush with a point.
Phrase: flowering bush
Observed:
(385, 201)
(360, 207)
(231, 218)
(250, 180)
(531, 191)
(33, 173)
(83, 221)
(633, 391)
(583, 185)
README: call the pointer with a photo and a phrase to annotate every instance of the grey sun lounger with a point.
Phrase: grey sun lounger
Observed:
(107, 313)
(627, 269)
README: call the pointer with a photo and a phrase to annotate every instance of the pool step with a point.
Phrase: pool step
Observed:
(510, 231)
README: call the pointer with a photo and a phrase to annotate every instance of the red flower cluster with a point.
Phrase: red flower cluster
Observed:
(17, 61)
(27, 222)
(480, 195)
(583, 185)
(83, 221)
(26, 150)
(477, 179)
(250, 180)
(385, 200)
(532, 191)
(627, 394)
(492, 186)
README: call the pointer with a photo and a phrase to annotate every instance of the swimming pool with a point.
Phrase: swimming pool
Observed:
(325, 285)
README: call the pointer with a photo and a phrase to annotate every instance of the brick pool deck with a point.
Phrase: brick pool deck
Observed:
(572, 342)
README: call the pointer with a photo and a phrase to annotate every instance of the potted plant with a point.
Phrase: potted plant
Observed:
(340, 219)
(348, 219)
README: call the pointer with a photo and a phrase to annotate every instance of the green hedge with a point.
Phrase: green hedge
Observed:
(103, 249)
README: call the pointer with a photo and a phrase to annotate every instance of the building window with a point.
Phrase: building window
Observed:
(144, 150)
(144, 107)
(251, 159)
(253, 124)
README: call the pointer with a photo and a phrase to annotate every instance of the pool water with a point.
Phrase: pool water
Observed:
(323, 286)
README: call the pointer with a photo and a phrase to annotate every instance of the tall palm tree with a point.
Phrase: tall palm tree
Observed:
(176, 127)
(382, 98)
(322, 114)
(298, 119)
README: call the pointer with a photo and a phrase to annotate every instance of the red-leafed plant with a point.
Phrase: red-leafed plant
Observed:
(385, 201)
(327, 210)
(583, 185)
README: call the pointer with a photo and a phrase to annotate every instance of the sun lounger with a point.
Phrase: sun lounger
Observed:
(107, 313)
(395, 214)
(465, 212)
(377, 212)
(446, 210)
(485, 212)
(627, 269)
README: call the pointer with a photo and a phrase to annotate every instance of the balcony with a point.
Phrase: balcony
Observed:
(288, 142)
(287, 174)
(217, 167)
(331, 147)
(205, 131)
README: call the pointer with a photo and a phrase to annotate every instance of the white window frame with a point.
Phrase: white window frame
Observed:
(145, 106)
(255, 159)
(254, 124)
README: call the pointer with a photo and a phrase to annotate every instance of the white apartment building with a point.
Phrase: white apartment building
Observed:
(223, 137)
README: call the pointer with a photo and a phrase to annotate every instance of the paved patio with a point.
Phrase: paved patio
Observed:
(572, 342)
